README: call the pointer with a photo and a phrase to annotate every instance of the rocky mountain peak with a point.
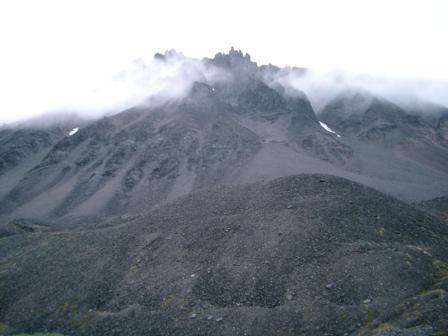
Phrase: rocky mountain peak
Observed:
(167, 54)
(234, 59)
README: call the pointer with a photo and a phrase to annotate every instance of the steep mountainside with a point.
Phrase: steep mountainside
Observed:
(369, 119)
(231, 132)
(144, 156)
(20, 149)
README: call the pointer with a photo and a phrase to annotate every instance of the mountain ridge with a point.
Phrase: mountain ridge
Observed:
(218, 133)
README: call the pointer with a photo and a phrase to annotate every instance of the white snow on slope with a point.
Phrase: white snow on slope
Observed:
(73, 131)
(328, 129)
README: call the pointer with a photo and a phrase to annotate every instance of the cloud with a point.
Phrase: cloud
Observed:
(170, 76)
(323, 86)
(144, 81)
(163, 78)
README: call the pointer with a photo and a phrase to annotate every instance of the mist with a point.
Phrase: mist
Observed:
(322, 86)
(166, 77)
(77, 56)
(149, 81)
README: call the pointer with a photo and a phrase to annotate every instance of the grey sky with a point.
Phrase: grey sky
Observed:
(57, 53)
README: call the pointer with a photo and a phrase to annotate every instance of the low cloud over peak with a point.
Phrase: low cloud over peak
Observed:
(170, 76)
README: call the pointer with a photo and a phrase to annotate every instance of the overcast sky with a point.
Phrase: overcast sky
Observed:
(52, 50)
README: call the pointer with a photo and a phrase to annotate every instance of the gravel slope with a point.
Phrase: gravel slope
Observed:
(301, 255)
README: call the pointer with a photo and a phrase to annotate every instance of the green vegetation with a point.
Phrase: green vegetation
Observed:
(76, 319)
(4, 326)
(7, 264)
(369, 315)
(68, 308)
(80, 321)
(440, 269)
(384, 326)
(435, 293)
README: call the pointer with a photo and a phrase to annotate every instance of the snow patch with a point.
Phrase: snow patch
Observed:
(328, 129)
(73, 131)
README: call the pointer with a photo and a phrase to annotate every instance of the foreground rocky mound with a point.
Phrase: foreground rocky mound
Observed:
(301, 255)
(437, 207)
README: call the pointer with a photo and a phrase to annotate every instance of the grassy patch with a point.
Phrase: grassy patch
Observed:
(5, 265)
(369, 315)
(420, 249)
(68, 308)
(80, 321)
(384, 326)
(3, 326)
(439, 269)
(76, 319)
(434, 293)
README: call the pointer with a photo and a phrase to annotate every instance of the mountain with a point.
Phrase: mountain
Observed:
(374, 119)
(416, 140)
(144, 156)
(236, 131)
(232, 209)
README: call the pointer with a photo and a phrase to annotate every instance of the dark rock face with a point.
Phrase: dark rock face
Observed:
(256, 259)
(17, 145)
(442, 130)
(145, 156)
(365, 121)
(373, 119)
